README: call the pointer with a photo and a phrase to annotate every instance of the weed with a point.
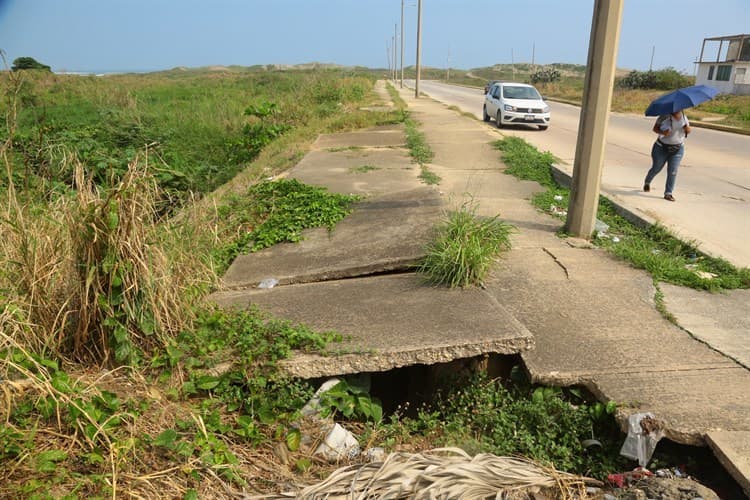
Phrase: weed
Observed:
(464, 248)
(363, 169)
(547, 425)
(419, 150)
(351, 401)
(277, 211)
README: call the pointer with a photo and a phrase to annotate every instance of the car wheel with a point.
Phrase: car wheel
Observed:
(543, 127)
(499, 120)
(485, 116)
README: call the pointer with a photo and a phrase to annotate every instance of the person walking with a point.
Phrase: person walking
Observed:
(668, 149)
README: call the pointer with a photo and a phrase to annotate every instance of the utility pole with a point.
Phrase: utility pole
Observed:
(419, 48)
(533, 54)
(592, 133)
(388, 56)
(653, 49)
(448, 68)
(395, 55)
(402, 44)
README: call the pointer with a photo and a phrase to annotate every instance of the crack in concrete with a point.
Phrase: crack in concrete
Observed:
(557, 261)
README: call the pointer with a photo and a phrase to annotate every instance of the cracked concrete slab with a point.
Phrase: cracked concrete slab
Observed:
(388, 322)
(712, 318)
(732, 449)
(687, 402)
(383, 233)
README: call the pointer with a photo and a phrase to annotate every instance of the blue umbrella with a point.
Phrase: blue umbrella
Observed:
(681, 99)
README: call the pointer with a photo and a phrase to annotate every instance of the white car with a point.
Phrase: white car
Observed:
(512, 103)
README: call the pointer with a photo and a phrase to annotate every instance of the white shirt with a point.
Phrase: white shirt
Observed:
(668, 122)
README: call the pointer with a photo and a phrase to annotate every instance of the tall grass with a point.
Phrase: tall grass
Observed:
(88, 270)
(107, 251)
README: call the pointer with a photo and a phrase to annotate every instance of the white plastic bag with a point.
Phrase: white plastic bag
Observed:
(644, 431)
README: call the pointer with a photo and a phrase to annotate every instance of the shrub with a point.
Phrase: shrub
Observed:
(664, 79)
(545, 75)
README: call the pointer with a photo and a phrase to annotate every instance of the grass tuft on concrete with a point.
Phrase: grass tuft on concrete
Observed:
(464, 248)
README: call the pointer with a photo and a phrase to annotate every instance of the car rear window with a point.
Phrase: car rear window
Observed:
(510, 92)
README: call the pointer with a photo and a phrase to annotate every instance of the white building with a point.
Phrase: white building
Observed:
(724, 64)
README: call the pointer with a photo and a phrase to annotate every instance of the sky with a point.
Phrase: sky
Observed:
(148, 35)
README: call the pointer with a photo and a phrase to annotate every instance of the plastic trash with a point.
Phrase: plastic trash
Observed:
(268, 283)
(375, 454)
(313, 407)
(644, 431)
(339, 444)
(615, 239)
(558, 197)
(601, 227)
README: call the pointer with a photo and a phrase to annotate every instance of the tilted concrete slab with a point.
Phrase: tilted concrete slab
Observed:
(722, 320)
(382, 234)
(732, 449)
(388, 322)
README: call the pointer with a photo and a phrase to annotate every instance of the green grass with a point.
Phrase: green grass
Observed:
(654, 248)
(464, 248)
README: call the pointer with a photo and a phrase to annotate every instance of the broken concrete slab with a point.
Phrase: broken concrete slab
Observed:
(722, 320)
(384, 233)
(388, 322)
(732, 449)
(673, 398)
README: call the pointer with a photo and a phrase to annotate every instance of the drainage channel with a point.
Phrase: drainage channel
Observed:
(404, 392)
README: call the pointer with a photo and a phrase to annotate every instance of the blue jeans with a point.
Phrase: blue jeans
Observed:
(659, 157)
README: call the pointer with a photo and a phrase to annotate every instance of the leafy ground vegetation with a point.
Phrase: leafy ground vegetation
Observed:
(654, 249)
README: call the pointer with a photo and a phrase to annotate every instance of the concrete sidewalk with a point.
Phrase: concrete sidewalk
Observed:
(574, 313)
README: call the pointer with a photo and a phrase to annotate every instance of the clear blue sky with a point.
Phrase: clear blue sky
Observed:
(146, 35)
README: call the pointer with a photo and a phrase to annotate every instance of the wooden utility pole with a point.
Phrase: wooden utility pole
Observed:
(592, 132)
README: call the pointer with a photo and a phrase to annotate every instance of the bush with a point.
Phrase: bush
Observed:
(545, 75)
(664, 79)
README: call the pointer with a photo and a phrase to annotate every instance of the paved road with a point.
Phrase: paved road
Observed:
(713, 186)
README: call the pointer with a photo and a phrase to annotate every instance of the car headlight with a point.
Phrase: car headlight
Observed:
(508, 107)
(545, 109)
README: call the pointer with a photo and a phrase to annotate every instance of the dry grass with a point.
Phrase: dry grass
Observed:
(445, 473)
(76, 262)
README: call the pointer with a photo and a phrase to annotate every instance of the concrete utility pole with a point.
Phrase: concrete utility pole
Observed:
(653, 49)
(448, 65)
(395, 54)
(388, 56)
(402, 44)
(592, 133)
(419, 48)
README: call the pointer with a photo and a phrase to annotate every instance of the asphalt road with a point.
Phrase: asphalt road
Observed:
(713, 183)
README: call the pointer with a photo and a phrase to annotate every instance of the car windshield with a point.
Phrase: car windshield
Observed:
(510, 92)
